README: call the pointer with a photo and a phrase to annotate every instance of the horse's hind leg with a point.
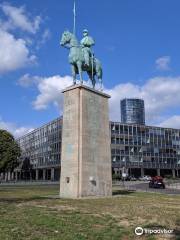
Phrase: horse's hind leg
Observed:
(99, 75)
(101, 84)
(93, 82)
(92, 78)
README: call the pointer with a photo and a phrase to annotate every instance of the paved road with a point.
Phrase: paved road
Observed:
(143, 186)
(130, 185)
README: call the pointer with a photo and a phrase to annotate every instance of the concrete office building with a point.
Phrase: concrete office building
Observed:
(145, 150)
(132, 111)
(43, 147)
(137, 148)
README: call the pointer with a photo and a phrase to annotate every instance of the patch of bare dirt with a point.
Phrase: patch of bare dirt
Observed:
(55, 207)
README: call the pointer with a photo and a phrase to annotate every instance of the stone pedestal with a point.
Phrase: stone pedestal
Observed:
(85, 157)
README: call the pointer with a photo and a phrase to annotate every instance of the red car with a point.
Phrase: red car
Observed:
(156, 182)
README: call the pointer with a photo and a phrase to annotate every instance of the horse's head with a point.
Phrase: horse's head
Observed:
(66, 37)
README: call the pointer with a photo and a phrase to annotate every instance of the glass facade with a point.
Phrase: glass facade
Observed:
(132, 111)
(132, 146)
(143, 146)
(43, 145)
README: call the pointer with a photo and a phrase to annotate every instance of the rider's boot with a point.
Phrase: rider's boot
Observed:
(87, 62)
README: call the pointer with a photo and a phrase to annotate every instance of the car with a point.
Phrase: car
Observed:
(128, 178)
(145, 178)
(132, 178)
(156, 182)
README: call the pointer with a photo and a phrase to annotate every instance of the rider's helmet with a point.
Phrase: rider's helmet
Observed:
(85, 31)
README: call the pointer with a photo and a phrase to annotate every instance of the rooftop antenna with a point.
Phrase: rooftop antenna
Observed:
(74, 12)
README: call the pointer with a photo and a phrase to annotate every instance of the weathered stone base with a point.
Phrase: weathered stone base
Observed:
(85, 158)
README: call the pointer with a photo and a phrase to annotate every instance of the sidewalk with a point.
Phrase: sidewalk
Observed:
(21, 183)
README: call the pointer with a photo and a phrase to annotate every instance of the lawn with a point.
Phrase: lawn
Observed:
(35, 212)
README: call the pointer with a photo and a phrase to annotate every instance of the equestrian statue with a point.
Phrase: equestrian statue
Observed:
(81, 57)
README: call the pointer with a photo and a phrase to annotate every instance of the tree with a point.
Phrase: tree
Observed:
(9, 151)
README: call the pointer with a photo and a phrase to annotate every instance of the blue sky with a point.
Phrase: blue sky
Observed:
(138, 43)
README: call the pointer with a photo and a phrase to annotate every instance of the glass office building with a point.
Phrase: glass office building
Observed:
(43, 147)
(138, 149)
(132, 111)
(145, 149)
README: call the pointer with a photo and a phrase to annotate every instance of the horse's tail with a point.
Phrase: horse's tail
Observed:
(98, 68)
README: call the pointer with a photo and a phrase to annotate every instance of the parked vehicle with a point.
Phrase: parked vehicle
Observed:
(157, 182)
(128, 178)
(132, 178)
(145, 178)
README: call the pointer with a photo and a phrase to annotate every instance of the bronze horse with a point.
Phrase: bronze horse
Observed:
(77, 61)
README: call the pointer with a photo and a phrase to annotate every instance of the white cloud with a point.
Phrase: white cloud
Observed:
(26, 80)
(162, 63)
(49, 88)
(160, 94)
(14, 53)
(119, 92)
(172, 122)
(45, 36)
(14, 129)
(50, 91)
(18, 18)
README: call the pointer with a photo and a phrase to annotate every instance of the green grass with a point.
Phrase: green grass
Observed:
(31, 212)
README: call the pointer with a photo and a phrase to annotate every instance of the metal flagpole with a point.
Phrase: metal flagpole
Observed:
(92, 58)
(74, 12)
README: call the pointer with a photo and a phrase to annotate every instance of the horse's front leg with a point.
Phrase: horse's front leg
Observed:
(101, 84)
(79, 65)
(73, 74)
